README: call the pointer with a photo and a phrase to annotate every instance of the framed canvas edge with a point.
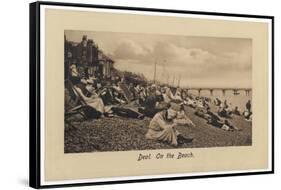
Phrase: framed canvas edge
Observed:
(34, 94)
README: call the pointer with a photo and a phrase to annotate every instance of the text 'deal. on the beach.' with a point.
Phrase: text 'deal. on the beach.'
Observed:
(162, 156)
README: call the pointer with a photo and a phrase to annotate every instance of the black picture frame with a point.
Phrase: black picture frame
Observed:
(34, 98)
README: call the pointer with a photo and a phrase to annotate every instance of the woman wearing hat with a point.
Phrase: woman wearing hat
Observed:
(162, 127)
(91, 98)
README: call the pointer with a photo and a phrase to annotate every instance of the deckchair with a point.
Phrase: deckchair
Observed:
(126, 92)
(78, 103)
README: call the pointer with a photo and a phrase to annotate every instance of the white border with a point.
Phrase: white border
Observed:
(42, 93)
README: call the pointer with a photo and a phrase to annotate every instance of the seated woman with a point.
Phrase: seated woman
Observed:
(168, 95)
(190, 102)
(141, 95)
(178, 96)
(107, 96)
(247, 115)
(216, 122)
(200, 103)
(90, 98)
(217, 102)
(224, 125)
(202, 112)
(162, 127)
(183, 119)
(211, 114)
(110, 96)
(224, 112)
(118, 105)
(74, 74)
(236, 111)
(152, 105)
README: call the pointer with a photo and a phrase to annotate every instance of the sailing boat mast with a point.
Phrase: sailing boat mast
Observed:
(154, 78)
(179, 80)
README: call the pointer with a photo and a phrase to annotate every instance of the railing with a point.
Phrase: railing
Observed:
(223, 90)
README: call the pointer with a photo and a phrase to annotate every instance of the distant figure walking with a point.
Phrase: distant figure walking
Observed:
(248, 113)
(248, 106)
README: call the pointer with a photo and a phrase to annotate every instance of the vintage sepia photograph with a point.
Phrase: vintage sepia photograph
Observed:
(134, 91)
(131, 94)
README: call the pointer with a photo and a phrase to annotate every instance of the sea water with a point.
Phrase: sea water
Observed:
(238, 100)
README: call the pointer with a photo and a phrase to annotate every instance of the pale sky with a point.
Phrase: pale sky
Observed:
(197, 61)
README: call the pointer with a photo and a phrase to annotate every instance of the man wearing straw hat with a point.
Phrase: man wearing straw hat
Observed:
(162, 127)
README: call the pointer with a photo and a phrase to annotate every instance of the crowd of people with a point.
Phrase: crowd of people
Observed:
(107, 97)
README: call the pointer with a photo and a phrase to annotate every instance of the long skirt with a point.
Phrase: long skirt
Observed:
(168, 135)
(97, 104)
